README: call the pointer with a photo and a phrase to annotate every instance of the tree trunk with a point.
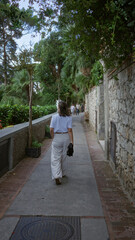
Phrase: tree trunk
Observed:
(58, 89)
(5, 60)
(30, 109)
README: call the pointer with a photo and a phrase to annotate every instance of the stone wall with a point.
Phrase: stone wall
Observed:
(114, 102)
(122, 113)
(100, 113)
(94, 105)
(15, 139)
(91, 107)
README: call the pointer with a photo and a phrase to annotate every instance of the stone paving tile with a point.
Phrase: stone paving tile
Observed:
(12, 182)
(119, 211)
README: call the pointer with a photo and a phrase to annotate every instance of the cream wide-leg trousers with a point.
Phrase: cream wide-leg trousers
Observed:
(59, 155)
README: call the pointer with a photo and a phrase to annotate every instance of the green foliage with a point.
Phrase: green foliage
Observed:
(36, 144)
(69, 66)
(47, 131)
(12, 23)
(103, 29)
(50, 53)
(96, 74)
(75, 73)
(11, 115)
(17, 92)
(7, 39)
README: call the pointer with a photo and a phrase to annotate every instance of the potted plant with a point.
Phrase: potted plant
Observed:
(35, 150)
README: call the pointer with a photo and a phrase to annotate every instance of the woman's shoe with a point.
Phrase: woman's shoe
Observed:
(57, 181)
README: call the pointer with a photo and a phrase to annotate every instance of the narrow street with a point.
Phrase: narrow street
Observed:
(89, 205)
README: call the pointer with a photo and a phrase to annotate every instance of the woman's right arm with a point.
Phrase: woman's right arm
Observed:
(52, 132)
(70, 132)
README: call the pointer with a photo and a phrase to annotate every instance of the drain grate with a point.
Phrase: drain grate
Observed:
(47, 228)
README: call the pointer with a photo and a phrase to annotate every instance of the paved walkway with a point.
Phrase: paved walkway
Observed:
(29, 191)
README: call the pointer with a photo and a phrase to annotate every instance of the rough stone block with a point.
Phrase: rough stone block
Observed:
(130, 147)
(132, 135)
(125, 119)
(123, 142)
(124, 155)
(130, 160)
(20, 142)
(132, 122)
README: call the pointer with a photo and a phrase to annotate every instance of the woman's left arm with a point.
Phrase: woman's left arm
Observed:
(70, 132)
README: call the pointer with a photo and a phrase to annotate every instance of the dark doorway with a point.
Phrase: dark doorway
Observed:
(113, 139)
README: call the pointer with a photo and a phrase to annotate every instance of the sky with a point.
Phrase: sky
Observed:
(27, 40)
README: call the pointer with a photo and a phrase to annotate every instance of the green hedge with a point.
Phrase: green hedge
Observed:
(11, 115)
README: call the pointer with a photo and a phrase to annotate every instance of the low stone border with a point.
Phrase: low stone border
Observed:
(13, 141)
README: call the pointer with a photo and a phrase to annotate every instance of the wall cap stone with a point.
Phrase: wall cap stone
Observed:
(9, 132)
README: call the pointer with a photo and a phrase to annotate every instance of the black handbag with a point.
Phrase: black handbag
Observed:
(70, 150)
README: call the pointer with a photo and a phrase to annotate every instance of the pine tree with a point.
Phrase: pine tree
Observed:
(12, 23)
(9, 31)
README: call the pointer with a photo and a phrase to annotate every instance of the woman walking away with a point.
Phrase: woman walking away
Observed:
(61, 132)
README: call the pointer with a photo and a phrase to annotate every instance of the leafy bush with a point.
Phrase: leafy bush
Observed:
(36, 144)
(11, 115)
(47, 131)
(96, 74)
